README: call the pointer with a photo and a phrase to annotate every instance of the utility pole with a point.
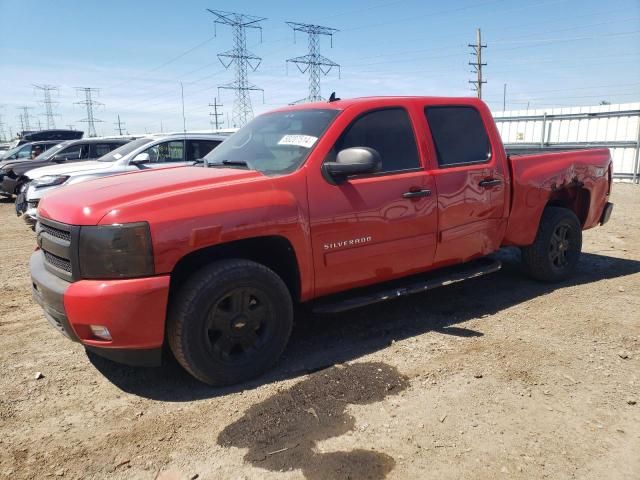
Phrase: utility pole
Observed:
(39, 125)
(313, 63)
(119, 124)
(70, 125)
(504, 98)
(184, 119)
(243, 60)
(477, 64)
(24, 118)
(48, 103)
(215, 116)
(89, 103)
(2, 132)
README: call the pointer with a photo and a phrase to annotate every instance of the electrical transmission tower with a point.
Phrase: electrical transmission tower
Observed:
(313, 63)
(89, 103)
(477, 64)
(119, 125)
(2, 132)
(243, 60)
(215, 115)
(48, 103)
(24, 118)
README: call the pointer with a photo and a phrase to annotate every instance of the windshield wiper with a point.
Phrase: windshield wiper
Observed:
(231, 163)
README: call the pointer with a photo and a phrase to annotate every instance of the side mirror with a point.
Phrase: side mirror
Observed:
(140, 159)
(352, 161)
(59, 159)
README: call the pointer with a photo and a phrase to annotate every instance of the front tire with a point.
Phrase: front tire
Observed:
(554, 255)
(230, 322)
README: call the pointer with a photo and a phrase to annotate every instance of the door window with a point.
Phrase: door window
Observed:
(100, 149)
(459, 135)
(387, 131)
(166, 152)
(74, 152)
(199, 148)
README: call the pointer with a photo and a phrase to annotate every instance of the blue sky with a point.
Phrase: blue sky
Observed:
(548, 52)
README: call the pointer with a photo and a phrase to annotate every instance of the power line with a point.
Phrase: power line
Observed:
(215, 115)
(119, 125)
(48, 103)
(477, 64)
(243, 60)
(313, 62)
(89, 103)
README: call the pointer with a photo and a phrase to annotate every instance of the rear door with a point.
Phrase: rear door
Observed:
(379, 226)
(470, 180)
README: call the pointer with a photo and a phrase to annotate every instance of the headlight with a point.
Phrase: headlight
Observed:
(50, 180)
(116, 251)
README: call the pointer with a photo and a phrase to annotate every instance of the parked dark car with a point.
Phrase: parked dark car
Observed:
(57, 135)
(13, 174)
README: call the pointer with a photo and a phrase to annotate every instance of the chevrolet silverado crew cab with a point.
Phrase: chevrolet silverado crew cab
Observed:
(334, 205)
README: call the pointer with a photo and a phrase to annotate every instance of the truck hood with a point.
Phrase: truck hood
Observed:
(9, 164)
(69, 169)
(131, 196)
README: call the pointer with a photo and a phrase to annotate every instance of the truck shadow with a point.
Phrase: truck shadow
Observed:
(321, 341)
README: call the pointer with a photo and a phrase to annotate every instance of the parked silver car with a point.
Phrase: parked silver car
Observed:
(152, 151)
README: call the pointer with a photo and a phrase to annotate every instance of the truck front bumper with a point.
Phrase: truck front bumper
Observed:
(132, 310)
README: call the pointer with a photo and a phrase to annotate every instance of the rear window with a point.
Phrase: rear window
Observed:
(459, 135)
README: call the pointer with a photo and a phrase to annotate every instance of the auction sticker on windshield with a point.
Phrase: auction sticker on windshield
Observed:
(305, 141)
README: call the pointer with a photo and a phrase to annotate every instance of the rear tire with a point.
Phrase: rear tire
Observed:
(555, 253)
(230, 322)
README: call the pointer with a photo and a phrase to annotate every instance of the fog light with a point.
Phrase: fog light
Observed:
(100, 331)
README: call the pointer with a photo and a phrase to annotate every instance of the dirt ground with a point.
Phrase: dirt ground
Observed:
(499, 377)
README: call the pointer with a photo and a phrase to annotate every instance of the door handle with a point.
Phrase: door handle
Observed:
(417, 193)
(490, 182)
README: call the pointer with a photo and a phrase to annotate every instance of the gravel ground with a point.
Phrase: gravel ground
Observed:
(499, 377)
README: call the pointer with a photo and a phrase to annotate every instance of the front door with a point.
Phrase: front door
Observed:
(374, 227)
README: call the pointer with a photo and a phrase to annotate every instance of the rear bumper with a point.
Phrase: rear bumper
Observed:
(606, 213)
(132, 310)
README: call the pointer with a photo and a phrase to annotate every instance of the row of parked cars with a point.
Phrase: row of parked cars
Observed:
(33, 169)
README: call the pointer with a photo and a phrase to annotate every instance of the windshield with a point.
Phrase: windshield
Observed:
(8, 153)
(125, 149)
(273, 143)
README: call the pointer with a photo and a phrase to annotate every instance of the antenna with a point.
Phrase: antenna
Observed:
(313, 63)
(243, 59)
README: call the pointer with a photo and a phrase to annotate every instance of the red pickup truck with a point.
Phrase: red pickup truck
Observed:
(334, 204)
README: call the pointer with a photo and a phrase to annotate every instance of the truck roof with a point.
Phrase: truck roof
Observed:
(383, 100)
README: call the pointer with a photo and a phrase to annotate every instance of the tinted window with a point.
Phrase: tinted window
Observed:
(100, 149)
(70, 153)
(387, 131)
(459, 135)
(199, 148)
(166, 152)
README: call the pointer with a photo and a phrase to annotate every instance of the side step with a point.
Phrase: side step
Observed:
(406, 286)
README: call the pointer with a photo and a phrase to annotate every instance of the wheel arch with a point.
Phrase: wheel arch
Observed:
(575, 198)
(274, 251)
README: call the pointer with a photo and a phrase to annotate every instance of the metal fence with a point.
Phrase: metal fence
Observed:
(618, 129)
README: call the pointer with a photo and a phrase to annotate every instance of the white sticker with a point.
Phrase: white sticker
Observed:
(305, 141)
(117, 156)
